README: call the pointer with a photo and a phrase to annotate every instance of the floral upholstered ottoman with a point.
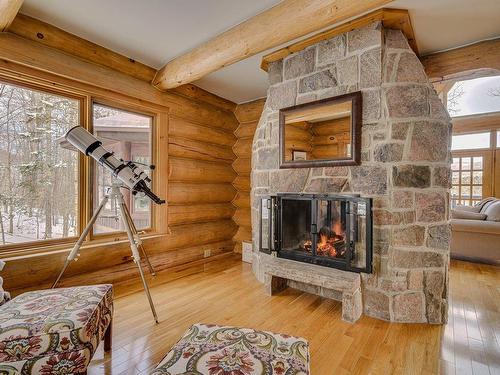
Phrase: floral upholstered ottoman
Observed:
(54, 331)
(218, 350)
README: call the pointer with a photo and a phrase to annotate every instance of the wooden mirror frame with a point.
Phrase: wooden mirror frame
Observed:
(356, 119)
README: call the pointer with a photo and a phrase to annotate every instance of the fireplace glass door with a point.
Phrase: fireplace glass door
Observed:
(329, 230)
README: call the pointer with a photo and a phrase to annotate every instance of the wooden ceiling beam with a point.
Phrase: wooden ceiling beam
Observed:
(464, 61)
(288, 20)
(391, 18)
(8, 11)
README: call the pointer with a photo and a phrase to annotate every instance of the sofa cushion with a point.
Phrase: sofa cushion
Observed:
(459, 214)
(51, 328)
(493, 211)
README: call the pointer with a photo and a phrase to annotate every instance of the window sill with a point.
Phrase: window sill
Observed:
(23, 253)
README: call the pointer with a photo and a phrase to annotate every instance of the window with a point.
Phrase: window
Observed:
(38, 179)
(474, 96)
(129, 136)
(471, 141)
(467, 180)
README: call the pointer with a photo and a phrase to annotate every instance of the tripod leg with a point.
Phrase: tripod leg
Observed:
(138, 240)
(74, 252)
(136, 255)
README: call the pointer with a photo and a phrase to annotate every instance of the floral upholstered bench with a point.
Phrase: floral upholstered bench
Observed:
(212, 349)
(55, 331)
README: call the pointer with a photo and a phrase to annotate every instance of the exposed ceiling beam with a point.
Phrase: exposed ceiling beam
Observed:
(391, 18)
(8, 10)
(464, 61)
(288, 20)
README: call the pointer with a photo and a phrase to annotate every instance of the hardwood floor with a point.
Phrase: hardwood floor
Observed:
(226, 292)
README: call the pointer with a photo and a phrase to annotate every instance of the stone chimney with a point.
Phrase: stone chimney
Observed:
(405, 168)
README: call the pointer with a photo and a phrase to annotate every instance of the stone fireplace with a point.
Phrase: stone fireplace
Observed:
(404, 171)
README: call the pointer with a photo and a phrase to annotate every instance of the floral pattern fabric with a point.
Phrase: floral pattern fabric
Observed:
(54, 331)
(219, 350)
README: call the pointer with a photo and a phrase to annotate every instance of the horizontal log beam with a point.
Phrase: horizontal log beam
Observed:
(463, 61)
(197, 213)
(290, 19)
(189, 170)
(185, 193)
(8, 11)
(187, 148)
(179, 127)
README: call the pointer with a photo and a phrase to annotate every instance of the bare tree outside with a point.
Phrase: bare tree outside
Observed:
(38, 179)
(453, 96)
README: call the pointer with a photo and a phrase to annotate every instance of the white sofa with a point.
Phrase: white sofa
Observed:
(476, 232)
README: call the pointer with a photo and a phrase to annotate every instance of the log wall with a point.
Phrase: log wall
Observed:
(194, 154)
(248, 116)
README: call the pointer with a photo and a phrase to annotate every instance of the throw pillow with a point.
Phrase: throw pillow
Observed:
(493, 212)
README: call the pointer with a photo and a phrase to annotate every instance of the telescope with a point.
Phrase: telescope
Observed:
(126, 175)
(126, 171)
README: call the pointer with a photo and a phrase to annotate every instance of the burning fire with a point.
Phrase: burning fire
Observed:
(329, 242)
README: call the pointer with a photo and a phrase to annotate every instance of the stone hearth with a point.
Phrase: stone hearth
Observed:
(405, 165)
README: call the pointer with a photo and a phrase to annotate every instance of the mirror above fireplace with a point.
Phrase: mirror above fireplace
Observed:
(322, 133)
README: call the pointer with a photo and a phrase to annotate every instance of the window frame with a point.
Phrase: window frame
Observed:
(82, 103)
(118, 235)
(87, 94)
(481, 123)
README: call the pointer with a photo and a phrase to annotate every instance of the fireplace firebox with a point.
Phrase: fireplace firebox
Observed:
(324, 229)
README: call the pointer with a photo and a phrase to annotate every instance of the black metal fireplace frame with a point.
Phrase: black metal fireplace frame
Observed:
(273, 207)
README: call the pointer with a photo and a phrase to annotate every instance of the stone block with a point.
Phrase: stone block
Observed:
(380, 202)
(415, 176)
(410, 69)
(371, 105)
(415, 279)
(266, 158)
(369, 179)
(439, 236)
(288, 180)
(399, 131)
(429, 141)
(412, 235)
(318, 81)
(393, 284)
(326, 185)
(332, 49)
(275, 72)
(352, 306)
(260, 178)
(402, 199)
(282, 95)
(336, 171)
(380, 248)
(395, 39)
(376, 304)
(434, 289)
(306, 98)
(347, 70)
(441, 177)
(407, 101)
(388, 152)
(438, 110)
(409, 307)
(300, 63)
(364, 38)
(370, 63)
(410, 259)
(430, 207)
(381, 234)
(403, 217)
(382, 217)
